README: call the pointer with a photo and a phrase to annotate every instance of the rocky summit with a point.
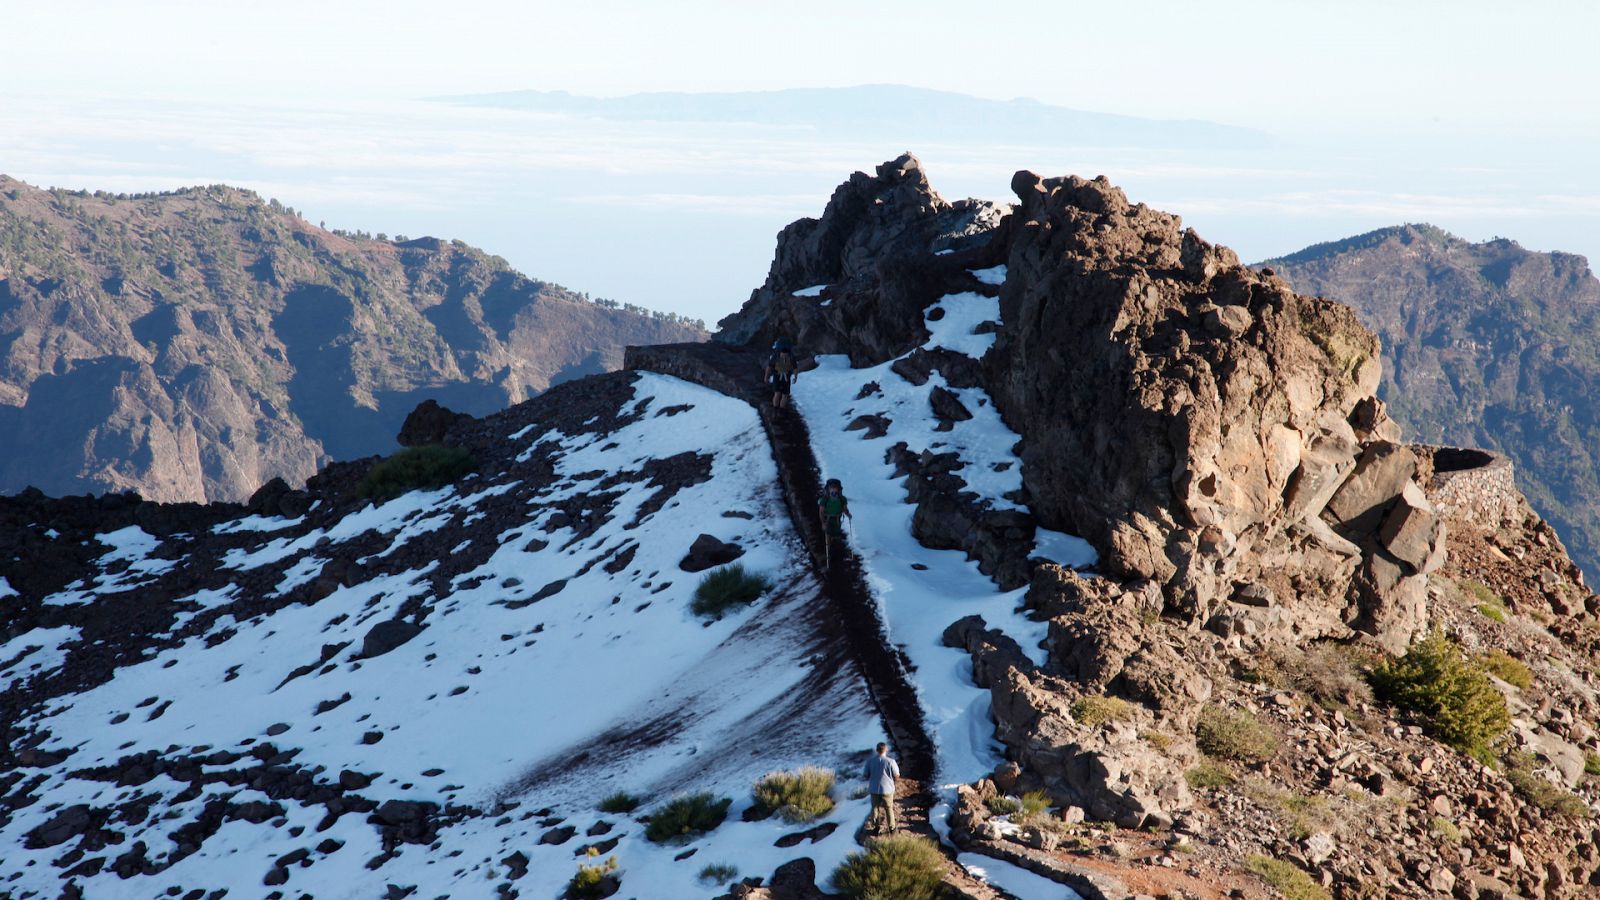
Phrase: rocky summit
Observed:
(1145, 587)
(196, 344)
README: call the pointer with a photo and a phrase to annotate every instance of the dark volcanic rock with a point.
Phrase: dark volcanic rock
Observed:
(427, 424)
(387, 635)
(874, 243)
(708, 552)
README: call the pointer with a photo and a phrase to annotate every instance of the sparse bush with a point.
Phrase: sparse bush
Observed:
(1551, 799)
(1508, 668)
(686, 816)
(1300, 815)
(1208, 775)
(1448, 692)
(719, 873)
(1292, 883)
(1494, 611)
(1096, 711)
(1157, 739)
(1591, 762)
(799, 796)
(620, 803)
(1331, 674)
(1035, 804)
(415, 468)
(1446, 829)
(1235, 734)
(594, 880)
(897, 867)
(727, 587)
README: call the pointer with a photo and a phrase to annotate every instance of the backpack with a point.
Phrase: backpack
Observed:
(833, 507)
(783, 363)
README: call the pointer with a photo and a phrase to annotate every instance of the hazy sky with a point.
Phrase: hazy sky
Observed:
(1466, 64)
(1476, 116)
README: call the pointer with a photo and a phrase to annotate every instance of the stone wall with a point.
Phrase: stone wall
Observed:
(1472, 486)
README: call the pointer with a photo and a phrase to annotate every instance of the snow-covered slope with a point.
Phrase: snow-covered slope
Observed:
(922, 591)
(415, 692)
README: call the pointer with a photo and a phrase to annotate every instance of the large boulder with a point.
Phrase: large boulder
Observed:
(707, 552)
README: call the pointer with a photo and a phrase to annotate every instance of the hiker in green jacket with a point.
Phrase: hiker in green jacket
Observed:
(834, 509)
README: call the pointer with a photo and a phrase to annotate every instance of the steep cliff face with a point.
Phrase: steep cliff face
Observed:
(1485, 345)
(194, 345)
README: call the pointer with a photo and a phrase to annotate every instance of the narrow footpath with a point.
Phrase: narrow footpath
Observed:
(737, 373)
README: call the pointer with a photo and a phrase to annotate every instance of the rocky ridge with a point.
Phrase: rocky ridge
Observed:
(1265, 534)
(193, 345)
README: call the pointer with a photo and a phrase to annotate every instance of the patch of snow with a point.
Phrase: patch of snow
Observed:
(304, 569)
(610, 683)
(6, 590)
(945, 252)
(921, 591)
(257, 523)
(1064, 549)
(1013, 879)
(991, 275)
(963, 313)
(814, 291)
(32, 653)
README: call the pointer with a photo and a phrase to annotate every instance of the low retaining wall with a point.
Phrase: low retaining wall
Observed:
(1471, 485)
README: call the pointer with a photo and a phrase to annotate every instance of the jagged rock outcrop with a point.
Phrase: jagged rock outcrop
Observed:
(869, 255)
(1204, 426)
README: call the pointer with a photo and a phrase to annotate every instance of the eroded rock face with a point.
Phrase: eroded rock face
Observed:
(1202, 425)
(1210, 412)
(872, 254)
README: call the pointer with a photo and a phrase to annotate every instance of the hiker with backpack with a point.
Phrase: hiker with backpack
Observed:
(781, 372)
(834, 509)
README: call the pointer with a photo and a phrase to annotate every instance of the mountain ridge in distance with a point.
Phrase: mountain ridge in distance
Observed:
(1484, 344)
(901, 112)
(194, 344)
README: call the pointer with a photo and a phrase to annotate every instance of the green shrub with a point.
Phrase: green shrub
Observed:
(1292, 883)
(620, 803)
(415, 468)
(1591, 762)
(1446, 829)
(1487, 601)
(897, 867)
(1208, 775)
(799, 796)
(1536, 789)
(719, 873)
(1097, 711)
(1448, 692)
(686, 816)
(1235, 734)
(727, 587)
(592, 880)
(1004, 806)
(1508, 668)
